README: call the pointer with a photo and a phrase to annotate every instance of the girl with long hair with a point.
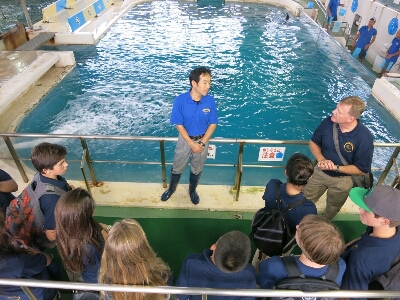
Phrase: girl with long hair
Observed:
(129, 259)
(79, 237)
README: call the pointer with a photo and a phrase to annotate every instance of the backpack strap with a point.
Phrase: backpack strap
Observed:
(289, 206)
(278, 195)
(293, 270)
(291, 267)
(332, 272)
(38, 191)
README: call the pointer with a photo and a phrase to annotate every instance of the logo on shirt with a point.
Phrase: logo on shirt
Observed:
(349, 147)
(206, 110)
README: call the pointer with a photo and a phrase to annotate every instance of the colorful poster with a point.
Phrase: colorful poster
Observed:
(211, 151)
(271, 153)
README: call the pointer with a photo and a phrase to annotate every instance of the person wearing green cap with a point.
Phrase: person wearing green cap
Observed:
(372, 254)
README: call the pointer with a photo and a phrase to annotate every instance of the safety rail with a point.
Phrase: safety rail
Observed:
(87, 14)
(56, 8)
(204, 292)
(239, 165)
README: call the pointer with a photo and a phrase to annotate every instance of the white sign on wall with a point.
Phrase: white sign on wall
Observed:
(271, 153)
(211, 151)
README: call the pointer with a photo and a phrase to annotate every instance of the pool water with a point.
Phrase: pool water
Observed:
(271, 80)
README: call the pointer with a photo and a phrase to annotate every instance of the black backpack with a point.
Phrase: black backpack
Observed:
(389, 280)
(269, 230)
(298, 281)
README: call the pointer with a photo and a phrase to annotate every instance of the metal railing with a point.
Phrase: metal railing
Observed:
(204, 292)
(239, 165)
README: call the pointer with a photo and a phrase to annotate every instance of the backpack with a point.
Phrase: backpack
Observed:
(25, 219)
(298, 281)
(269, 230)
(390, 280)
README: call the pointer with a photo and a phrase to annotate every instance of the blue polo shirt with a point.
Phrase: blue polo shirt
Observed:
(194, 116)
(24, 266)
(395, 47)
(333, 6)
(272, 270)
(368, 257)
(199, 271)
(5, 198)
(356, 146)
(293, 216)
(48, 202)
(365, 36)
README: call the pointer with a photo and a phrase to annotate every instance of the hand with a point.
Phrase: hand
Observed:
(366, 47)
(72, 186)
(196, 148)
(326, 165)
(389, 56)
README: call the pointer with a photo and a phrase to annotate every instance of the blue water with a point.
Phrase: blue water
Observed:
(271, 80)
(11, 12)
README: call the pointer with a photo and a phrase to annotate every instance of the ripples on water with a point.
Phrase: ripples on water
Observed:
(271, 79)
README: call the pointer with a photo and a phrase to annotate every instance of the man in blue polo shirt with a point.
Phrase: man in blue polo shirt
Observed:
(332, 12)
(392, 54)
(355, 145)
(194, 114)
(365, 37)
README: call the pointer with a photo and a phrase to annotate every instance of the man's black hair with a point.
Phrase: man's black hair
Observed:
(299, 169)
(195, 74)
(232, 252)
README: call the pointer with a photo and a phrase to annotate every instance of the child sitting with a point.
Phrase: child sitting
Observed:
(321, 244)
(224, 265)
(49, 160)
(298, 170)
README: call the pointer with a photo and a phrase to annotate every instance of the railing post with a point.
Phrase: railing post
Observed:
(83, 171)
(388, 166)
(89, 161)
(203, 297)
(29, 293)
(16, 158)
(163, 166)
(239, 171)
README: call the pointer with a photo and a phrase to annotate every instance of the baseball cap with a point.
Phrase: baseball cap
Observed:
(374, 19)
(382, 200)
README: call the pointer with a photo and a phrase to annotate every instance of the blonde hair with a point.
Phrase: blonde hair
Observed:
(319, 240)
(357, 105)
(128, 259)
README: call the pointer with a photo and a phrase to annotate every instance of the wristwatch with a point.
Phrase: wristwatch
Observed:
(202, 144)
(337, 168)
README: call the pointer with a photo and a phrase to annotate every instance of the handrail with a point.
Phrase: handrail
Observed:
(239, 166)
(169, 290)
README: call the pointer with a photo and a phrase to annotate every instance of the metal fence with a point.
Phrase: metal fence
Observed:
(238, 164)
(204, 292)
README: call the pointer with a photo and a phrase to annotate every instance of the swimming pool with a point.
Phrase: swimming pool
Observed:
(271, 79)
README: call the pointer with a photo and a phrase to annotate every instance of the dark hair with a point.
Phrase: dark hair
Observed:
(8, 245)
(46, 156)
(232, 252)
(196, 73)
(391, 223)
(299, 169)
(76, 229)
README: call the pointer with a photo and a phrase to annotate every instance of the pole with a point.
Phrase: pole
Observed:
(28, 18)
